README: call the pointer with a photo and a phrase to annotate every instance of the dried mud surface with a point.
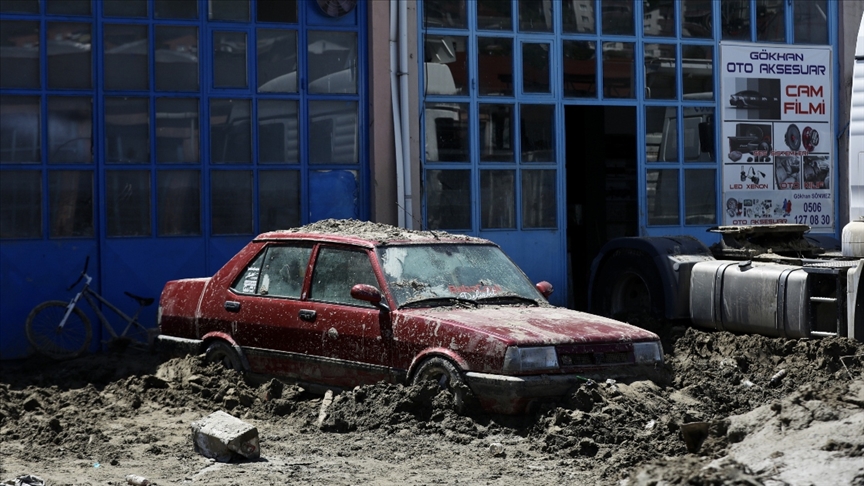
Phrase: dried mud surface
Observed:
(99, 418)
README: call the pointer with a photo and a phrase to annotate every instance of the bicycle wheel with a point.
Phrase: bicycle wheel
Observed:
(51, 340)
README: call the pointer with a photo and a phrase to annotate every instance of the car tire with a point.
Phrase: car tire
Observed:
(628, 284)
(222, 352)
(447, 376)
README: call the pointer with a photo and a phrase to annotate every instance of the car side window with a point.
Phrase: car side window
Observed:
(337, 270)
(248, 281)
(284, 271)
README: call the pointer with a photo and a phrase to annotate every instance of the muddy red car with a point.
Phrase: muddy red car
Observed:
(346, 303)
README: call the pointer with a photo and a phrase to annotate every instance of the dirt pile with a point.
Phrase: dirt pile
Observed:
(97, 418)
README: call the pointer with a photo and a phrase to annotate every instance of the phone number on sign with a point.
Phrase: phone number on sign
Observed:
(813, 219)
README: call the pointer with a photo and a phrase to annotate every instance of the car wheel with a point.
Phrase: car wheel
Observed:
(628, 284)
(222, 352)
(447, 376)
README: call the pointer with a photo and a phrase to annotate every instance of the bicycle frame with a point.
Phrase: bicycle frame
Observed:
(89, 295)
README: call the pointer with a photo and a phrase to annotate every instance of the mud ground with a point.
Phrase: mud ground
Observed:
(99, 418)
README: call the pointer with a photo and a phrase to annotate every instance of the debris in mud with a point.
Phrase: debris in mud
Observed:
(130, 412)
(223, 437)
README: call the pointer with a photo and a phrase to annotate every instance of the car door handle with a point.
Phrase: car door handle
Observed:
(232, 306)
(307, 315)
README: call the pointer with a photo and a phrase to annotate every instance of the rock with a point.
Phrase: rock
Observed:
(222, 437)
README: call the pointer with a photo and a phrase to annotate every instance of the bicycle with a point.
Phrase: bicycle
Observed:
(61, 330)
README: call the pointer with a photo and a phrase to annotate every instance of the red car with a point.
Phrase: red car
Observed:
(346, 303)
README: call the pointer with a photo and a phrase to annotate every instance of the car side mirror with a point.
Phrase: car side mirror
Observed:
(368, 293)
(545, 288)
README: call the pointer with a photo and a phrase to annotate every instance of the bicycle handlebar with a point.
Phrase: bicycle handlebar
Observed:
(83, 273)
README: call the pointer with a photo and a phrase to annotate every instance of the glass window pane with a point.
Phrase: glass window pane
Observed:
(229, 10)
(20, 130)
(277, 61)
(446, 65)
(278, 132)
(662, 194)
(19, 47)
(697, 71)
(535, 67)
(448, 199)
(127, 130)
(536, 16)
(175, 9)
(127, 194)
(127, 60)
(231, 202)
(21, 204)
(444, 13)
(277, 11)
(735, 19)
(69, 59)
(124, 8)
(497, 199)
(539, 201)
(580, 69)
(333, 194)
(496, 133)
(19, 6)
(332, 62)
(70, 130)
(230, 131)
(176, 58)
(447, 132)
(333, 132)
(811, 21)
(658, 17)
(177, 130)
(661, 133)
(495, 66)
(578, 17)
(699, 134)
(770, 20)
(229, 59)
(247, 283)
(537, 126)
(617, 17)
(68, 7)
(494, 15)
(278, 199)
(284, 270)
(336, 271)
(700, 196)
(660, 79)
(70, 194)
(178, 202)
(696, 19)
(619, 70)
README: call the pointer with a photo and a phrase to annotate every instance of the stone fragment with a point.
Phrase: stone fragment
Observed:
(223, 437)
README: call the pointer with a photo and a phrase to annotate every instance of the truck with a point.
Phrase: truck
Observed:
(775, 280)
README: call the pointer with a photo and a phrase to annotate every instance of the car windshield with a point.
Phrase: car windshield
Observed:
(445, 274)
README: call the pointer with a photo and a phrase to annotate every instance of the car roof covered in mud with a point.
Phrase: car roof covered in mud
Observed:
(365, 233)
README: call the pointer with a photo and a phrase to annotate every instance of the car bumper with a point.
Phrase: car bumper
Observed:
(174, 347)
(519, 394)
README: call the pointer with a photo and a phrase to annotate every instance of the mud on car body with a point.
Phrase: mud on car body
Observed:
(346, 303)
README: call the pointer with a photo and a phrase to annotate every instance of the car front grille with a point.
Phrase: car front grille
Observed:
(574, 356)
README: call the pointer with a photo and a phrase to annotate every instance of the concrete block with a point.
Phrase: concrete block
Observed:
(223, 437)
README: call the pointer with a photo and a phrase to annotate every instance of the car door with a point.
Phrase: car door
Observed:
(267, 309)
(350, 329)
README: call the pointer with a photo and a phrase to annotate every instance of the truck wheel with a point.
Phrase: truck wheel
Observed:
(628, 284)
(222, 352)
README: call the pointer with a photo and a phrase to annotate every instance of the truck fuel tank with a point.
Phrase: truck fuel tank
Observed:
(750, 297)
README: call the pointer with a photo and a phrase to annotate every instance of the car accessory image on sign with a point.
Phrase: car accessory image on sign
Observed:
(775, 170)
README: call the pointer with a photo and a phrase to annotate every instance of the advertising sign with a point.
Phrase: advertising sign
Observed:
(777, 135)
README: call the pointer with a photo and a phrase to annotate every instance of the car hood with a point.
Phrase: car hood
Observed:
(528, 325)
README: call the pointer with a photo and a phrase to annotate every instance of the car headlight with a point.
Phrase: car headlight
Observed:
(650, 352)
(530, 359)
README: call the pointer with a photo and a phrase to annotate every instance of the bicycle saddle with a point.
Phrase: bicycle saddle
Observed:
(142, 301)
